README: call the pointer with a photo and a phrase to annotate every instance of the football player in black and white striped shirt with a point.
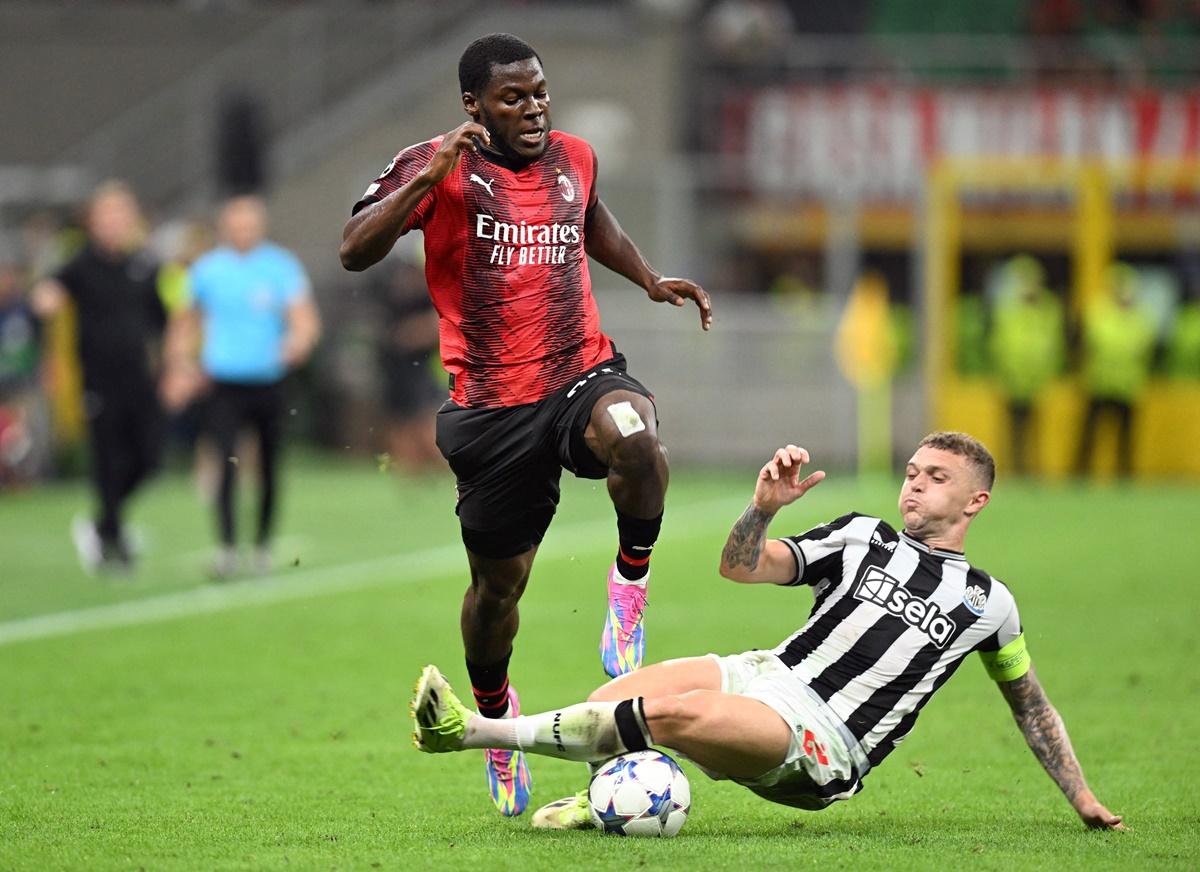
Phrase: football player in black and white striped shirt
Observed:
(894, 615)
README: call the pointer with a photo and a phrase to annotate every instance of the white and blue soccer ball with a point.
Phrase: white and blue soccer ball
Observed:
(643, 793)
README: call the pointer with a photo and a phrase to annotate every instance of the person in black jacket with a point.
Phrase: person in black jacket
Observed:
(113, 283)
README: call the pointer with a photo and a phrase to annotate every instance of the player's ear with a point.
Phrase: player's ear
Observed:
(979, 499)
(470, 105)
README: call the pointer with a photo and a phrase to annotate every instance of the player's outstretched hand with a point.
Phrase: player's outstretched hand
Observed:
(675, 291)
(1096, 817)
(779, 483)
(446, 158)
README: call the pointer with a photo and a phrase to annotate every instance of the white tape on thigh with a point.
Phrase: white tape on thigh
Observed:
(626, 418)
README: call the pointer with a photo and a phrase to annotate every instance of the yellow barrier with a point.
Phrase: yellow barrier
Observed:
(1167, 424)
(1166, 429)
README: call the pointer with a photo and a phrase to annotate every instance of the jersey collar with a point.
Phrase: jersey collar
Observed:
(512, 164)
(936, 552)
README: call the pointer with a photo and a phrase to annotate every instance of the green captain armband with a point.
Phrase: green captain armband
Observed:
(1009, 663)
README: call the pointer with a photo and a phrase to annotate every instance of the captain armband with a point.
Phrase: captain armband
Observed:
(1009, 663)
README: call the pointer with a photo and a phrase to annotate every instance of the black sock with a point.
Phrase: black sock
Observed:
(630, 716)
(636, 537)
(489, 684)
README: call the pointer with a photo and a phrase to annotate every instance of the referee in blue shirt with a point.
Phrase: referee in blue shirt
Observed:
(252, 304)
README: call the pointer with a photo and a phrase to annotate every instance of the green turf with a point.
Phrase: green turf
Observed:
(272, 734)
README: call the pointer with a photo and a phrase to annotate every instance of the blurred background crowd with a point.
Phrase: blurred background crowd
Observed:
(982, 216)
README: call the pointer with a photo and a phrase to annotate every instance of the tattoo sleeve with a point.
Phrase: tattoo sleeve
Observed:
(1044, 732)
(745, 543)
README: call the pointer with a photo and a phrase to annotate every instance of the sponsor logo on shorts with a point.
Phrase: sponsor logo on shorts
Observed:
(604, 370)
(975, 599)
(880, 589)
(813, 749)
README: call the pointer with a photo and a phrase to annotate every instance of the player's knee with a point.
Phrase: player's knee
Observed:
(640, 454)
(675, 716)
(601, 694)
(498, 591)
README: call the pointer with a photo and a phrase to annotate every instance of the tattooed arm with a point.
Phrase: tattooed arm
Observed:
(1047, 738)
(748, 555)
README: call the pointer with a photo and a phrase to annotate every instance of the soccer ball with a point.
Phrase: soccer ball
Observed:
(640, 794)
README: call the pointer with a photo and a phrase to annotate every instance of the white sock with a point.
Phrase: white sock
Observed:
(620, 579)
(491, 732)
(586, 732)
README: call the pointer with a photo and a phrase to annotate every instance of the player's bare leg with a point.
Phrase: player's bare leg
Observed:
(671, 677)
(722, 732)
(490, 618)
(489, 622)
(623, 433)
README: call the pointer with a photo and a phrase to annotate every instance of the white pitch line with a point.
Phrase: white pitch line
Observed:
(285, 586)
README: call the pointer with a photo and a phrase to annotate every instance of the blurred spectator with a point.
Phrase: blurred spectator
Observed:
(972, 357)
(49, 240)
(113, 283)
(252, 305)
(23, 424)
(18, 333)
(1027, 347)
(1056, 26)
(1183, 343)
(746, 30)
(179, 244)
(1118, 348)
(407, 353)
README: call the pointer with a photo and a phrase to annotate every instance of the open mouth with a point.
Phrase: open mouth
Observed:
(532, 136)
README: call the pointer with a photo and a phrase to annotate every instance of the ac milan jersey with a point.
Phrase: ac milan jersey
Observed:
(506, 268)
(891, 622)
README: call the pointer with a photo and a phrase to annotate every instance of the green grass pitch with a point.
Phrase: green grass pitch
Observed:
(165, 723)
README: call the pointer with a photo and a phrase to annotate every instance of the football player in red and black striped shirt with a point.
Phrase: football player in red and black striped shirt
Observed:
(510, 214)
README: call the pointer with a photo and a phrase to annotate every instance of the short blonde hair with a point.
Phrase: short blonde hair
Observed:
(967, 446)
(113, 188)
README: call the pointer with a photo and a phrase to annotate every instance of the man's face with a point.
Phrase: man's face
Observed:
(244, 222)
(940, 489)
(114, 222)
(515, 108)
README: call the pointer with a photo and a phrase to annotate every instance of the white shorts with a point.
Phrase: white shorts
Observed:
(823, 763)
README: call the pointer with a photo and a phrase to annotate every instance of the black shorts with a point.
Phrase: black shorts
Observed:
(233, 406)
(508, 460)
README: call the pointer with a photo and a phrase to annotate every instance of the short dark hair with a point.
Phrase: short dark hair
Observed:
(495, 49)
(965, 446)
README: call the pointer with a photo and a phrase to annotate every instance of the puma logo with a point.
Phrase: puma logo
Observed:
(486, 185)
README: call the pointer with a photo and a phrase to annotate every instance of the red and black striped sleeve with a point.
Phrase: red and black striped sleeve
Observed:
(402, 169)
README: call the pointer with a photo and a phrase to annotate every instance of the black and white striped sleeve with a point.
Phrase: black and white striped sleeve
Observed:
(818, 552)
